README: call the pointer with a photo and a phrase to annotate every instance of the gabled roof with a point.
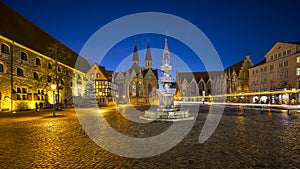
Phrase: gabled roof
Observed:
(236, 67)
(17, 28)
(107, 73)
(189, 76)
(145, 71)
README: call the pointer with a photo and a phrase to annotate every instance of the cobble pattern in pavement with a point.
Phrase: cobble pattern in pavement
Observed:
(243, 139)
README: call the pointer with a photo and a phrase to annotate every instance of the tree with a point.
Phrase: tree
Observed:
(59, 53)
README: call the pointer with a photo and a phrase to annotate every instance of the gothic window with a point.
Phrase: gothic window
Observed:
(201, 87)
(193, 89)
(35, 75)
(24, 56)
(140, 89)
(184, 89)
(20, 72)
(1, 68)
(133, 89)
(234, 83)
(4, 49)
(149, 89)
(208, 87)
(37, 61)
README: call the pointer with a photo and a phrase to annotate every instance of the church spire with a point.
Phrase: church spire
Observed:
(135, 56)
(148, 58)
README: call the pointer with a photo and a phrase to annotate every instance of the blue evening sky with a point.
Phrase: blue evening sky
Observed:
(236, 28)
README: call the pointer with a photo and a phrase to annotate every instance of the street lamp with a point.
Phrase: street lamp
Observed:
(53, 87)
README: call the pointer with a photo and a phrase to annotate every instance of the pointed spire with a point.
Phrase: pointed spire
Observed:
(148, 53)
(135, 56)
(166, 53)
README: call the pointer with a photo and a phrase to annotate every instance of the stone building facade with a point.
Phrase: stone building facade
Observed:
(278, 73)
(234, 79)
(30, 61)
(138, 84)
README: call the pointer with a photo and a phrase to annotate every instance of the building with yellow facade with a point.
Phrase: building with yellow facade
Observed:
(277, 78)
(30, 61)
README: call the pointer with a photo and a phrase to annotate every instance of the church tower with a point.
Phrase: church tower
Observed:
(135, 56)
(148, 59)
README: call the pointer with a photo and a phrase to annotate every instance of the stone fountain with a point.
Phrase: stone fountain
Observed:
(166, 110)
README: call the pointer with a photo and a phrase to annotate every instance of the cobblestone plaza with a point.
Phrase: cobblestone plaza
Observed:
(243, 139)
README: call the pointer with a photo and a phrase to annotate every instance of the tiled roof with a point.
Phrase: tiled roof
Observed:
(236, 67)
(19, 29)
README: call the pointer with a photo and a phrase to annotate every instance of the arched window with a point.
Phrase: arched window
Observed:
(149, 89)
(24, 56)
(184, 89)
(62, 81)
(133, 89)
(201, 87)
(194, 89)
(208, 87)
(1, 68)
(140, 89)
(37, 61)
(4, 49)
(20, 72)
(234, 83)
(35, 75)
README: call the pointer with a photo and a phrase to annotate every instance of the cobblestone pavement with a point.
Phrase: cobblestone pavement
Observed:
(243, 139)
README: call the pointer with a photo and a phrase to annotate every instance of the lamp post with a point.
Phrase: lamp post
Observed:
(53, 87)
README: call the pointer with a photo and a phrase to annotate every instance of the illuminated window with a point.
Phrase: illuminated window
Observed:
(140, 89)
(98, 75)
(4, 49)
(1, 68)
(298, 71)
(133, 89)
(92, 76)
(24, 56)
(20, 72)
(298, 59)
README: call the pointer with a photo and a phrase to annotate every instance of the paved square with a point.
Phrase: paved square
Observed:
(242, 140)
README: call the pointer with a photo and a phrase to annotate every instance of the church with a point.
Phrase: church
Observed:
(137, 85)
